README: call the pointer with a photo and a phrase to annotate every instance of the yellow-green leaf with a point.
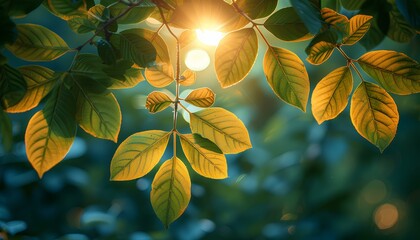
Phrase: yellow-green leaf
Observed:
(138, 154)
(331, 94)
(399, 30)
(235, 56)
(202, 97)
(135, 15)
(320, 52)
(188, 78)
(338, 21)
(171, 191)
(66, 9)
(37, 43)
(374, 114)
(12, 86)
(359, 25)
(287, 76)
(204, 156)
(160, 75)
(221, 127)
(158, 101)
(162, 53)
(395, 71)
(39, 82)
(187, 37)
(51, 131)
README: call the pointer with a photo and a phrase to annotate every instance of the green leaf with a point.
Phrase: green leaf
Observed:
(158, 101)
(37, 43)
(286, 25)
(51, 131)
(66, 9)
(12, 86)
(257, 8)
(106, 52)
(359, 25)
(39, 81)
(352, 4)
(221, 127)
(171, 191)
(202, 97)
(135, 15)
(188, 78)
(399, 29)
(320, 52)
(138, 154)
(235, 56)
(331, 94)
(395, 71)
(287, 76)
(122, 76)
(8, 32)
(336, 20)
(187, 37)
(6, 133)
(98, 114)
(204, 156)
(160, 75)
(374, 114)
(309, 13)
(81, 24)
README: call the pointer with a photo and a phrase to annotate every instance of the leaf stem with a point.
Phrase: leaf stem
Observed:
(350, 62)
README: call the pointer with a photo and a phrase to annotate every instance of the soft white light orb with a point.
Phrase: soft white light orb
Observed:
(197, 60)
(208, 37)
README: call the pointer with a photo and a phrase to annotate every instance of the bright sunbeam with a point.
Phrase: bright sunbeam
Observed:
(197, 60)
(209, 37)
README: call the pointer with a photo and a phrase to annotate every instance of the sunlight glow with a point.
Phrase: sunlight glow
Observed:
(197, 60)
(209, 37)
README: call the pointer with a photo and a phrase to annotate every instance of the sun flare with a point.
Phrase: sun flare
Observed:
(209, 37)
(197, 60)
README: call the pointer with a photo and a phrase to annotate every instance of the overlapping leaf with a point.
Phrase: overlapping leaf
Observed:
(158, 101)
(12, 86)
(88, 22)
(138, 154)
(235, 56)
(160, 75)
(257, 8)
(309, 12)
(396, 72)
(37, 43)
(135, 15)
(338, 21)
(171, 190)
(330, 95)
(202, 97)
(162, 53)
(221, 127)
(287, 76)
(66, 9)
(188, 78)
(359, 25)
(204, 156)
(374, 114)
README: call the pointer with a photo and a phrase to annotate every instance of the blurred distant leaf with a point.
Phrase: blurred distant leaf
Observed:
(286, 25)
(374, 114)
(171, 191)
(39, 81)
(37, 43)
(410, 10)
(66, 9)
(187, 37)
(331, 94)
(204, 156)
(352, 4)
(287, 76)
(221, 127)
(336, 20)
(396, 72)
(257, 8)
(19, 8)
(160, 75)
(380, 23)
(138, 154)
(359, 25)
(157, 101)
(399, 29)
(12, 86)
(8, 32)
(51, 131)
(188, 78)
(6, 132)
(309, 13)
(235, 55)
(202, 97)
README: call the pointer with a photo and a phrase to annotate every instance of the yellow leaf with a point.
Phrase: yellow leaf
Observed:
(171, 191)
(204, 156)
(320, 52)
(395, 71)
(287, 76)
(187, 37)
(160, 75)
(157, 101)
(188, 78)
(338, 21)
(330, 95)
(221, 127)
(235, 56)
(202, 97)
(138, 154)
(359, 25)
(374, 114)
(159, 44)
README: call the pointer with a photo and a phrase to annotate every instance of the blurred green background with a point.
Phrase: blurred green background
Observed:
(300, 180)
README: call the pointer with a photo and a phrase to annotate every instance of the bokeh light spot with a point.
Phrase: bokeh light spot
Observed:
(386, 216)
(197, 60)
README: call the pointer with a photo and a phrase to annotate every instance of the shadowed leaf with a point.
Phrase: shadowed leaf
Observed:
(359, 25)
(257, 8)
(12, 86)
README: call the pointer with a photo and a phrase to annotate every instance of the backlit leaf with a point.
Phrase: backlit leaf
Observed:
(331, 94)
(235, 56)
(123, 77)
(359, 25)
(374, 114)
(39, 81)
(157, 101)
(395, 71)
(135, 15)
(6, 133)
(221, 127)
(286, 25)
(187, 37)
(171, 191)
(287, 76)
(320, 52)
(12, 86)
(51, 131)
(188, 78)
(204, 156)
(160, 75)
(338, 21)
(257, 8)
(202, 97)
(37, 43)
(138, 154)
